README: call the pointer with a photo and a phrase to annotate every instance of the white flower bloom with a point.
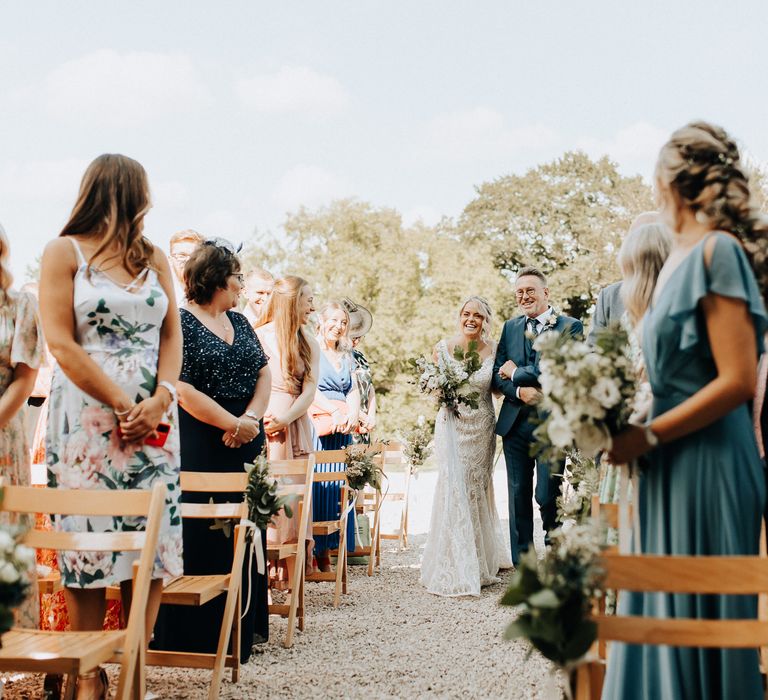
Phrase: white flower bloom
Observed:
(25, 556)
(6, 542)
(590, 438)
(8, 573)
(606, 392)
(559, 431)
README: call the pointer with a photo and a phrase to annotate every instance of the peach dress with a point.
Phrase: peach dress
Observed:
(295, 441)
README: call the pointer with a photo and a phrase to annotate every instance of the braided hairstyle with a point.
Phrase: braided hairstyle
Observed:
(702, 166)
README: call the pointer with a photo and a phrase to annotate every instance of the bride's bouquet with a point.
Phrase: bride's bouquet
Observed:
(448, 382)
(588, 392)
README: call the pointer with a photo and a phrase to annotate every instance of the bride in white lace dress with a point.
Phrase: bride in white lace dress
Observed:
(465, 547)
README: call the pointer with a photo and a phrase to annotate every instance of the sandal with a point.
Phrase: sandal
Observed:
(99, 673)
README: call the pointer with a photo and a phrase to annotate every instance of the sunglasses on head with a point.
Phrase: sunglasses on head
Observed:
(224, 244)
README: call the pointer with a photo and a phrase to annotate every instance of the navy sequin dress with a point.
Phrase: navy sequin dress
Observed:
(227, 374)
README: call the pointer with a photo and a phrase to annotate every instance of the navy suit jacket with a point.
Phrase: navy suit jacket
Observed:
(512, 347)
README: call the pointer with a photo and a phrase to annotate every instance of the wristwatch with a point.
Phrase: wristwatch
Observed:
(650, 437)
(252, 414)
(169, 388)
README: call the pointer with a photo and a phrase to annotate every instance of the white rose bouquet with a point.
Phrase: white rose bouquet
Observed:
(588, 392)
(448, 382)
(16, 563)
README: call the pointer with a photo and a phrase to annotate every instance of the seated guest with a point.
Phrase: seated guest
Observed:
(182, 245)
(223, 391)
(335, 413)
(258, 289)
(294, 359)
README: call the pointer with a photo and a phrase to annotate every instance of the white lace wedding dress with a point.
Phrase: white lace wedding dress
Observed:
(465, 547)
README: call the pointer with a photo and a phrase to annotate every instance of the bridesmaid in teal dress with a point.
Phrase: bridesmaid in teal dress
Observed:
(703, 491)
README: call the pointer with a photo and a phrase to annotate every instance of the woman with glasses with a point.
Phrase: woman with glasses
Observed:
(223, 389)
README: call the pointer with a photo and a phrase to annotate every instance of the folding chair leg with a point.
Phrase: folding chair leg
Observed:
(296, 590)
(236, 632)
(230, 609)
(341, 566)
(301, 605)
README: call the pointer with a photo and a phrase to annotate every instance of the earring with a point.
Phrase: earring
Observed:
(701, 217)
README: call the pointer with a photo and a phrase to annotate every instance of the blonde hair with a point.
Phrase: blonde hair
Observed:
(113, 201)
(259, 273)
(186, 236)
(485, 309)
(702, 166)
(641, 257)
(295, 350)
(328, 308)
(6, 278)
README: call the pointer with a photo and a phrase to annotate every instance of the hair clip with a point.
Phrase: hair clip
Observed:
(224, 244)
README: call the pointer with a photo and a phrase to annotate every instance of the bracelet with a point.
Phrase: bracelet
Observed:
(122, 413)
(237, 429)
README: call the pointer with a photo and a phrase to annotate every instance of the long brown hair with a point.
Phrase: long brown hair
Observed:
(295, 350)
(113, 201)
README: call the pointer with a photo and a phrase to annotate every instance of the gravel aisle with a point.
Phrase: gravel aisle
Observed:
(389, 639)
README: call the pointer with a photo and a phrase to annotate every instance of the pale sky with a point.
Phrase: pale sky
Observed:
(243, 110)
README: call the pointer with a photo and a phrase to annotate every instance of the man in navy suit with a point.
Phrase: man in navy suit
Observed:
(516, 375)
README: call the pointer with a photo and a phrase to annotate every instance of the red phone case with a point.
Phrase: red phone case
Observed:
(162, 430)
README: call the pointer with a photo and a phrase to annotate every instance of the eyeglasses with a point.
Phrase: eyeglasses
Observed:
(530, 292)
(224, 244)
(240, 279)
(179, 257)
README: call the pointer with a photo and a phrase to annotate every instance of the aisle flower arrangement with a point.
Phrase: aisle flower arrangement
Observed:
(362, 468)
(554, 595)
(577, 488)
(588, 392)
(448, 382)
(261, 493)
(417, 444)
(16, 561)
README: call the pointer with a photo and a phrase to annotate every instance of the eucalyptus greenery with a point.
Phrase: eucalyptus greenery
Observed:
(577, 489)
(261, 493)
(361, 467)
(554, 595)
(417, 444)
(16, 563)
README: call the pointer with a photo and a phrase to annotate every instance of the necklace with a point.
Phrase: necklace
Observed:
(221, 321)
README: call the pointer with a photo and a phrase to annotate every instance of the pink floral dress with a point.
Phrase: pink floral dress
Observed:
(119, 327)
(20, 343)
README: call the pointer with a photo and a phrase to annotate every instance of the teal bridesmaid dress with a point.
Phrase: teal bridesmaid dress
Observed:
(700, 495)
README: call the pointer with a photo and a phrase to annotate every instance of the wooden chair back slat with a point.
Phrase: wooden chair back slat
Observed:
(288, 467)
(215, 482)
(686, 574)
(319, 477)
(86, 541)
(32, 499)
(732, 634)
(291, 489)
(225, 511)
(330, 456)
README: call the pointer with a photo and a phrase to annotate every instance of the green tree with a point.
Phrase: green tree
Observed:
(567, 217)
(411, 278)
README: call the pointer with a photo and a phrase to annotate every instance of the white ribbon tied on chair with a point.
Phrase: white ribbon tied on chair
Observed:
(629, 526)
(261, 566)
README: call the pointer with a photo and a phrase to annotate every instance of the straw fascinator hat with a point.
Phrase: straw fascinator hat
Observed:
(360, 319)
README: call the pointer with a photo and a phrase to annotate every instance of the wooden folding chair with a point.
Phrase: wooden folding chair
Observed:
(369, 502)
(295, 479)
(394, 459)
(719, 575)
(197, 590)
(339, 524)
(77, 653)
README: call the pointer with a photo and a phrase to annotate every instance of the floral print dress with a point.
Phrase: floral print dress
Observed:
(119, 327)
(21, 342)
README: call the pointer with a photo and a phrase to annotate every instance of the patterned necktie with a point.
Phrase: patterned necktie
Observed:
(533, 326)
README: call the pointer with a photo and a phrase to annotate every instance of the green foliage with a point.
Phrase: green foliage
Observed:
(361, 467)
(261, 493)
(567, 218)
(417, 443)
(554, 596)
